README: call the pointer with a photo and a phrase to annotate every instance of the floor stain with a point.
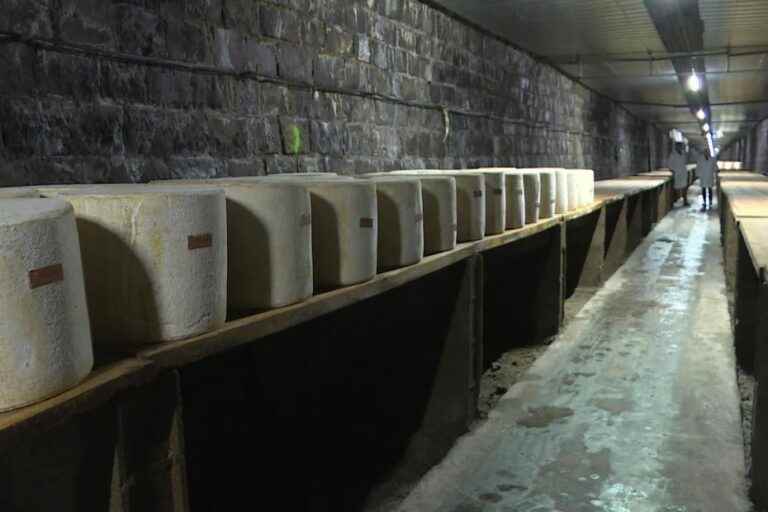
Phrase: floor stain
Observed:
(540, 417)
(511, 487)
(491, 497)
(614, 405)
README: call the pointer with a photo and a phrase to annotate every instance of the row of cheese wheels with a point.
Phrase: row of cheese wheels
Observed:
(131, 264)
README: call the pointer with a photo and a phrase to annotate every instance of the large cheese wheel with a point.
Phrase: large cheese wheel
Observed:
(155, 260)
(515, 200)
(45, 338)
(344, 227)
(584, 186)
(514, 189)
(401, 221)
(532, 186)
(561, 201)
(344, 231)
(438, 197)
(495, 199)
(495, 203)
(548, 204)
(470, 202)
(269, 238)
(574, 184)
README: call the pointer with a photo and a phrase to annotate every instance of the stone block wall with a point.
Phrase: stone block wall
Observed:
(134, 90)
(751, 149)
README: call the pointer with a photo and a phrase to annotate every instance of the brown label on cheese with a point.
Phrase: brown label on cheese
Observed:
(366, 222)
(199, 241)
(477, 193)
(305, 220)
(46, 275)
(419, 217)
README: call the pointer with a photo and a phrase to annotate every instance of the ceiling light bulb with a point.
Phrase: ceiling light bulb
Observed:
(705, 127)
(701, 114)
(694, 84)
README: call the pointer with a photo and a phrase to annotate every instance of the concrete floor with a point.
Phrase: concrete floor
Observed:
(633, 408)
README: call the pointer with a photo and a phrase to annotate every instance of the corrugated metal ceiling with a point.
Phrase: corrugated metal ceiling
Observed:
(606, 44)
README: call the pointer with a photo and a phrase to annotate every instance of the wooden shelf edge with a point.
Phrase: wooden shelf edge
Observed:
(584, 210)
(760, 223)
(99, 387)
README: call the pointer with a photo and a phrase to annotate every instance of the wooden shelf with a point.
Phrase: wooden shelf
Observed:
(626, 186)
(746, 198)
(755, 233)
(139, 368)
(584, 210)
(99, 387)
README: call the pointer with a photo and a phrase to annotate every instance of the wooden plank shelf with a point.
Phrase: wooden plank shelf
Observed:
(137, 368)
(746, 198)
(625, 187)
(754, 232)
(227, 390)
(98, 388)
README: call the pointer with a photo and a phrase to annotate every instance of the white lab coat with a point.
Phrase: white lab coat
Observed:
(676, 163)
(705, 170)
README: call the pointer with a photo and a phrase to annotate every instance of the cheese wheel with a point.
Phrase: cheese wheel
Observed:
(470, 202)
(155, 260)
(45, 337)
(401, 221)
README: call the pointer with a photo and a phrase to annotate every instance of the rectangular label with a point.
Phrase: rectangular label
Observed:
(477, 193)
(46, 275)
(199, 241)
(366, 222)
(305, 220)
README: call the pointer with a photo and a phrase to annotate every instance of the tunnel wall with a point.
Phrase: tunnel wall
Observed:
(754, 148)
(106, 91)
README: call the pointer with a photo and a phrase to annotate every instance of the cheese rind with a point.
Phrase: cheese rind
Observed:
(45, 337)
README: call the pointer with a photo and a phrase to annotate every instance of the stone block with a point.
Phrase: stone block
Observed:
(281, 164)
(279, 23)
(295, 63)
(328, 138)
(265, 135)
(28, 17)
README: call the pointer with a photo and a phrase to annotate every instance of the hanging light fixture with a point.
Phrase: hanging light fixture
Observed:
(705, 127)
(701, 114)
(694, 83)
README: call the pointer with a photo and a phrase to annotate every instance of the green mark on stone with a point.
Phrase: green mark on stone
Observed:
(295, 145)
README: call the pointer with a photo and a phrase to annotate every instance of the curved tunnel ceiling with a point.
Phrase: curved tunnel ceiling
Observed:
(640, 52)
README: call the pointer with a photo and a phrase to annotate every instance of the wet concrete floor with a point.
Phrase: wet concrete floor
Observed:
(633, 408)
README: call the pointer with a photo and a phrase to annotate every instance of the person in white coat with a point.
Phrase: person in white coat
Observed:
(706, 168)
(677, 164)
